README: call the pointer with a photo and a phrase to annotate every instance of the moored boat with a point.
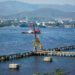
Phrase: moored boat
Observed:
(32, 31)
(14, 66)
(47, 59)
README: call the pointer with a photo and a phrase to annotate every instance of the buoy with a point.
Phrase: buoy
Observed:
(47, 59)
(14, 66)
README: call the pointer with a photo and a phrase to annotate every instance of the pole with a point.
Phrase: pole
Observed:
(34, 31)
(35, 35)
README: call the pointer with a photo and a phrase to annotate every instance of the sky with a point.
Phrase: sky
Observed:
(46, 1)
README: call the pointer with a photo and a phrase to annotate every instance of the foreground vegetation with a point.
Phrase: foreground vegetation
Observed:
(57, 72)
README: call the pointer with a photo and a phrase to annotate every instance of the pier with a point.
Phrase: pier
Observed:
(65, 48)
(61, 51)
(4, 58)
(56, 53)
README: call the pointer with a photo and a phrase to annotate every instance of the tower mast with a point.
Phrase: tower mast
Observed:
(37, 42)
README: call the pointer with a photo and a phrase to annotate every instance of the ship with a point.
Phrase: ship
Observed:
(37, 31)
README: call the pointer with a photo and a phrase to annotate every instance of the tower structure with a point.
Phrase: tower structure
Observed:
(37, 43)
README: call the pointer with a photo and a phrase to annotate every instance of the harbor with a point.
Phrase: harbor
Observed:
(19, 50)
(37, 37)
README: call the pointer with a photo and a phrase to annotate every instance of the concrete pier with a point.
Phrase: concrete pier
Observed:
(65, 48)
(61, 51)
(15, 56)
(56, 53)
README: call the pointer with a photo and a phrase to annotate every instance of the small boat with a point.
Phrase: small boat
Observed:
(47, 59)
(28, 32)
(23, 25)
(41, 26)
(32, 31)
(14, 66)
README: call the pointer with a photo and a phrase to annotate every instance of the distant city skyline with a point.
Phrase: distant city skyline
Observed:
(72, 2)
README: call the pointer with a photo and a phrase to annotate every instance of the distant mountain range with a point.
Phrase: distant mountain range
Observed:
(19, 9)
(14, 7)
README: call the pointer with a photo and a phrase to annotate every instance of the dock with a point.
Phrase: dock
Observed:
(61, 51)
(8, 57)
(55, 53)
(65, 48)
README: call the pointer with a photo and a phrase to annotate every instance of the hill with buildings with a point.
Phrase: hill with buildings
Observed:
(20, 9)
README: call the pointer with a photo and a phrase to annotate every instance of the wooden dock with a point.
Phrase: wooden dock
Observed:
(61, 51)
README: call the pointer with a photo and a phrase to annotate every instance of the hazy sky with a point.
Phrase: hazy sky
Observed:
(46, 1)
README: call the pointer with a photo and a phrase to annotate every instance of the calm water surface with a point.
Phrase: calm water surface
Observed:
(12, 41)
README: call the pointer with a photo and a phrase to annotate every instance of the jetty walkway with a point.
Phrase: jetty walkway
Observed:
(65, 48)
(61, 51)
(55, 53)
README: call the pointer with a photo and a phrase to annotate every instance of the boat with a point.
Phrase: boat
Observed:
(41, 26)
(47, 59)
(14, 66)
(32, 31)
(24, 25)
